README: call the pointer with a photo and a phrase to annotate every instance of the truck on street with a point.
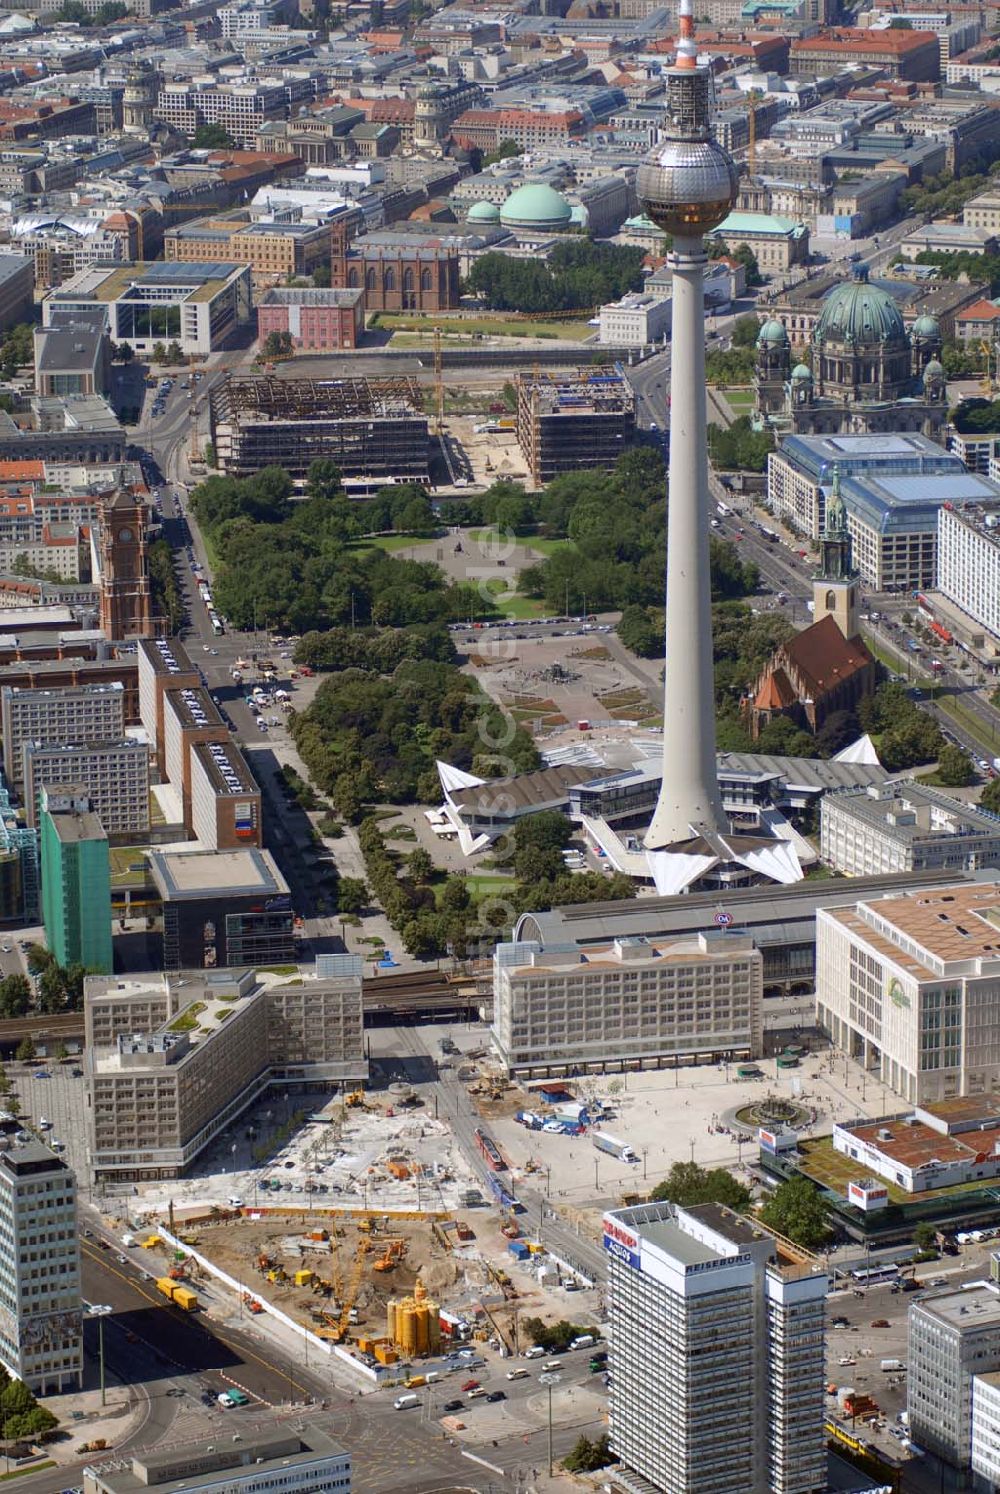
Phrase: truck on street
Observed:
(614, 1148)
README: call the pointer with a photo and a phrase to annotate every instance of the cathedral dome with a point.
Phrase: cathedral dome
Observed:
(772, 332)
(933, 370)
(802, 372)
(536, 206)
(861, 314)
(926, 327)
(483, 212)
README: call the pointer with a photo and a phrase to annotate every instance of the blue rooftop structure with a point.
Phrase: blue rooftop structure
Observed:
(910, 502)
(907, 454)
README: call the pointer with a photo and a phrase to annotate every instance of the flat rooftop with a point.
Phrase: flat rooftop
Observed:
(917, 1145)
(946, 924)
(226, 768)
(194, 707)
(909, 812)
(167, 656)
(72, 829)
(668, 1236)
(259, 1451)
(974, 1307)
(197, 874)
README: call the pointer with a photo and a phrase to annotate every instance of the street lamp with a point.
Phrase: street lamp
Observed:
(549, 1381)
(100, 1312)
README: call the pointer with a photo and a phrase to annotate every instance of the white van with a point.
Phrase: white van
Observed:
(585, 1341)
(404, 1402)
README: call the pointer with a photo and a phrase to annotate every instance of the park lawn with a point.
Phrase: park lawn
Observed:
(545, 546)
(515, 605)
(482, 884)
(740, 399)
(391, 542)
(123, 860)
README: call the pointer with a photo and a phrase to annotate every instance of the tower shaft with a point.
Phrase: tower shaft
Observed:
(690, 791)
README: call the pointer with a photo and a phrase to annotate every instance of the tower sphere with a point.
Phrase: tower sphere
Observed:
(687, 187)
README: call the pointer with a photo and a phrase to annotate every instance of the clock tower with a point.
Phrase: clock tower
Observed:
(836, 583)
(124, 568)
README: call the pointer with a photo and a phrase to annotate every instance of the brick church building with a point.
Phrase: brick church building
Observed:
(394, 278)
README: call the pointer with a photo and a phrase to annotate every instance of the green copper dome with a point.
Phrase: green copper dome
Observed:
(926, 326)
(772, 332)
(862, 314)
(933, 370)
(483, 212)
(801, 371)
(536, 206)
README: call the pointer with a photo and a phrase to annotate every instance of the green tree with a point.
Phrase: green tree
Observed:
(924, 1236)
(504, 152)
(990, 796)
(686, 1183)
(352, 895)
(25, 1051)
(15, 995)
(796, 1210)
(159, 353)
(324, 479)
(640, 633)
(955, 768)
(746, 330)
(739, 447)
(586, 1456)
(419, 865)
(321, 277)
(213, 137)
(277, 345)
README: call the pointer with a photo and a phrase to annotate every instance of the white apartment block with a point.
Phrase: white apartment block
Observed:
(953, 1342)
(72, 713)
(240, 108)
(635, 321)
(41, 1323)
(795, 495)
(716, 1348)
(969, 561)
(910, 985)
(986, 1426)
(980, 453)
(115, 775)
(564, 1008)
(158, 1095)
(902, 827)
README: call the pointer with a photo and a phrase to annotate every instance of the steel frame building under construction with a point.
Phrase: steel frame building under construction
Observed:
(574, 421)
(369, 427)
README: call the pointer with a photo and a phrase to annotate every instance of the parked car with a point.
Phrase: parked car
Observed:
(470, 1385)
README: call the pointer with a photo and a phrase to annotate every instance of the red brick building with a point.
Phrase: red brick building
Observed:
(318, 320)
(395, 279)
(912, 56)
(528, 128)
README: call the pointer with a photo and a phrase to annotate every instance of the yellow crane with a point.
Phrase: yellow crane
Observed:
(353, 1286)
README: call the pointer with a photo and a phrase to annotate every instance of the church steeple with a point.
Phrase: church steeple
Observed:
(835, 584)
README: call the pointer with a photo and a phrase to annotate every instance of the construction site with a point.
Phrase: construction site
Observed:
(569, 422)
(371, 428)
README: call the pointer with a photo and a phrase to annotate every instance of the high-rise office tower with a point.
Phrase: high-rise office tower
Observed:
(716, 1355)
(41, 1325)
(76, 880)
(687, 186)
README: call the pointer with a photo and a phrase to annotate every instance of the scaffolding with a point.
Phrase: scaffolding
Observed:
(585, 419)
(369, 427)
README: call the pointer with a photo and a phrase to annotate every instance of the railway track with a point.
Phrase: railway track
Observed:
(411, 994)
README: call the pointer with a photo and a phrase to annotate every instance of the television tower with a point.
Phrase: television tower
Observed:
(687, 185)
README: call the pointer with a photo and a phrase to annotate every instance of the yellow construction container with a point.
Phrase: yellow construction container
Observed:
(303, 1278)
(535, 1247)
(151, 1243)
(413, 1323)
(384, 1354)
